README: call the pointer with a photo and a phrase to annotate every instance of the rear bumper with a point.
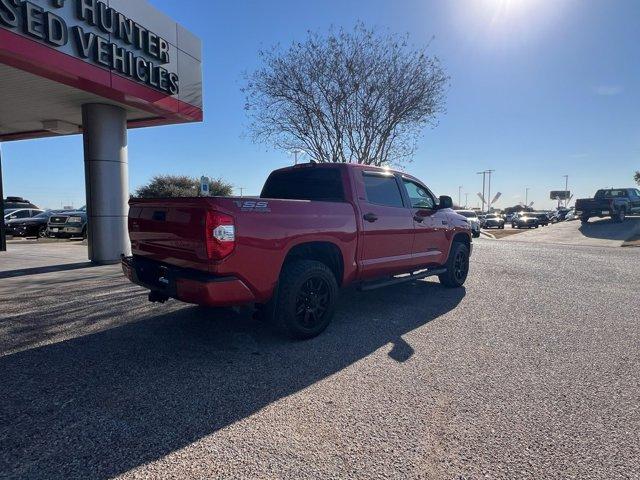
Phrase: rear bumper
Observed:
(605, 212)
(190, 286)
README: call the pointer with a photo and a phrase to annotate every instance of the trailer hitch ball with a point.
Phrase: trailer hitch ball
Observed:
(157, 297)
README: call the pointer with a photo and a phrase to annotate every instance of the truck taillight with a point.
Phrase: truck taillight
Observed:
(220, 233)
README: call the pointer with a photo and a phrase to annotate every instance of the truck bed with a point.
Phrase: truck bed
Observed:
(172, 231)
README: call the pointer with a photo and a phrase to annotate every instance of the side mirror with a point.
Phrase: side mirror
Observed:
(445, 202)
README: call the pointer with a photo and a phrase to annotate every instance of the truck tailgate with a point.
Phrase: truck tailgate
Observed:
(170, 230)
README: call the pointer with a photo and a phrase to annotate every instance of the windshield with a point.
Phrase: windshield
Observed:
(44, 215)
(466, 213)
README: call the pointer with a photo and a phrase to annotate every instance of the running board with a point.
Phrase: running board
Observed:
(420, 274)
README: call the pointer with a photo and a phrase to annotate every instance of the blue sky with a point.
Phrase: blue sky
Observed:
(539, 89)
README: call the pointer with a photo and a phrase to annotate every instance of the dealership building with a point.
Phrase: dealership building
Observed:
(96, 68)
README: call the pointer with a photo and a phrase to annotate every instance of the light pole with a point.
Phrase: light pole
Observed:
(296, 153)
(460, 196)
(484, 182)
(526, 197)
(566, 189)
(490, 172)
(466, 200)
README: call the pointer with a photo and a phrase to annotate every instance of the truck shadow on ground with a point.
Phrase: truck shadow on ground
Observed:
(607, 229)
(100, 405)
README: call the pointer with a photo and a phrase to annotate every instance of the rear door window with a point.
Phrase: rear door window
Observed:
(382, 189)
(308, 183)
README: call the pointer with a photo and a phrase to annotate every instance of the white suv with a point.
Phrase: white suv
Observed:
(474, 221)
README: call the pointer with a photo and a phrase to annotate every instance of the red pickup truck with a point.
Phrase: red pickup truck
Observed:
(315, 228)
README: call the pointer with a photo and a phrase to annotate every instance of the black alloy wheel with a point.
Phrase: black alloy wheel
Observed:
(306, 297)
(461, 266)
(457, 266)
(312, 302)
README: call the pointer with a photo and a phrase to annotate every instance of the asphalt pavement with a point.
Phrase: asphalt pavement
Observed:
(531, 371)
(598, 232)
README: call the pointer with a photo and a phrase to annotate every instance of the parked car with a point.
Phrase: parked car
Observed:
(561, 214)
(571, 215)
(30, 227)
(525, 220)
(543, 218)
(616, 203)
(68, 224)
(21, 213)
(493, 220)
(472, 218)
(358, 225)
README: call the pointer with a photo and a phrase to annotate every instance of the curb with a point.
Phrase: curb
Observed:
(487, 235)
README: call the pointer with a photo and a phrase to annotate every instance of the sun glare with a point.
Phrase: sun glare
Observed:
(508, 10)
(504, 22)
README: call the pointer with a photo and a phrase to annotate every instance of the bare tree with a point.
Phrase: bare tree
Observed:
(636, 177)
(359, 96)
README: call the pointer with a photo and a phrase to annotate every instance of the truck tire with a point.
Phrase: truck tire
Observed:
(457, 266)
(306, 298)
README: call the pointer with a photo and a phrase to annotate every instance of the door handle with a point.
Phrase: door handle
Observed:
(418, 218)
(370, 217)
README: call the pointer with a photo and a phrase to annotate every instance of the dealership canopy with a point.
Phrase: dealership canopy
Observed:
(97, 68)
(56, 55)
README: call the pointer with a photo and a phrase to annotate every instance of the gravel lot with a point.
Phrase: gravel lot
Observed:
(532, 371)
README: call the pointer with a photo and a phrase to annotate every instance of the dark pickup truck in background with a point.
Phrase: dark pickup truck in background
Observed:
(68, 224)
(315, 228)
(616, 203)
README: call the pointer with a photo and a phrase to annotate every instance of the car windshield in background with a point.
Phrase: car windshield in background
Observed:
(309, 183)
(44, 215)
(467, 214)
(493, 215)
